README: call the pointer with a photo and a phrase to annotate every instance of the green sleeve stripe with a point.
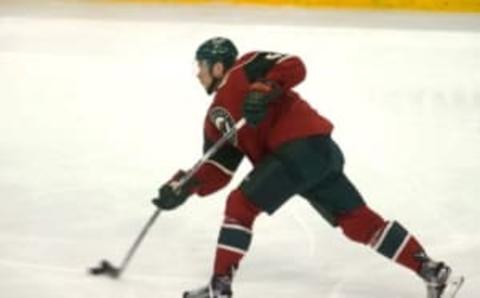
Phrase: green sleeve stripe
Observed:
(261, 65)
(227, 156)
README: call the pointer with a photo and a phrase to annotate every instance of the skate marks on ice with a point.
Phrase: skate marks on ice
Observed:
(136, 285)
(35, 267)
(51, 281)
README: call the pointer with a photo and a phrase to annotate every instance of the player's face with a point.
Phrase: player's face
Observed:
(204, 75)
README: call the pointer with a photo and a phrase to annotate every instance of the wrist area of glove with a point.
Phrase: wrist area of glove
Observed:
(269, 90)
(188, 187)
(210, 179)
(174, 193)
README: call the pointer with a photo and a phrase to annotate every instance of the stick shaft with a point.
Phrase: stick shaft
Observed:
(138, 240)
(228, 135)
(184, 180)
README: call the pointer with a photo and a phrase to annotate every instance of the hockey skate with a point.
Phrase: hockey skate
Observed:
(219, 287)
(439, 279)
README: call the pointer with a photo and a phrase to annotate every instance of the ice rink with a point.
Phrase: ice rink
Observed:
(100, 105)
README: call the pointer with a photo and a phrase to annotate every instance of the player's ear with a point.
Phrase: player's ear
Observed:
(218, 70)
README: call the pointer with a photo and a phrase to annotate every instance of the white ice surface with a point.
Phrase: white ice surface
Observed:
(100, 105)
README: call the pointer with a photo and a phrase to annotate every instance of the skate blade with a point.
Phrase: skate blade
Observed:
(453, 286)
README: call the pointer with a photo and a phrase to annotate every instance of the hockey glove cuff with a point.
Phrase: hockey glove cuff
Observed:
(170, 196)
(261, 93)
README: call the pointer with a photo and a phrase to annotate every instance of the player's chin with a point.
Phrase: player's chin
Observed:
(205, 86)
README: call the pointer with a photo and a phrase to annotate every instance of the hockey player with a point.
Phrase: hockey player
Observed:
(292, 152)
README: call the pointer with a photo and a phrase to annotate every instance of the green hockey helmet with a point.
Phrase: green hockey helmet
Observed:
(217, 49)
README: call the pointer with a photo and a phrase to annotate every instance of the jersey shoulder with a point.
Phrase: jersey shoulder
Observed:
(256, 65)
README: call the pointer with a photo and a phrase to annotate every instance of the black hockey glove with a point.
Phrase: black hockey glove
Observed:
(170, 197)
(256, 102)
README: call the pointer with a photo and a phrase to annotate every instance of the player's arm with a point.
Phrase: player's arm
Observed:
(213, 175)
(288, 71)
(270, 75)
(285, 70)
(219, 169)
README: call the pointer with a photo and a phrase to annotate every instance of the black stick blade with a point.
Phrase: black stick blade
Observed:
(105, 268)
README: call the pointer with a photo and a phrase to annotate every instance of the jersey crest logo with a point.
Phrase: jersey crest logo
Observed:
(224, 122)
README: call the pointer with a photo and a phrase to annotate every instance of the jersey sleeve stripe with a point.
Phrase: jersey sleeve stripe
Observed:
(220, 167)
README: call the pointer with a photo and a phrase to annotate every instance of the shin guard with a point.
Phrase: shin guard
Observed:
(389, 238)
(396, 243)
(235, 234)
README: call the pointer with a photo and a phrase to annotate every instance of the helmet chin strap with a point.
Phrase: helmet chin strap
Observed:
(215, 81)
(213, 86)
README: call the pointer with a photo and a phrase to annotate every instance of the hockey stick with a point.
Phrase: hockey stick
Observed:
(105, 267)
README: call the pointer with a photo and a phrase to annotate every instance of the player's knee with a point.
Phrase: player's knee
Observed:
(240, 210)
(361, 225)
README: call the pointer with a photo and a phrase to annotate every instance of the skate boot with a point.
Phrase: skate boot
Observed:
(439, 280)
(219, 287)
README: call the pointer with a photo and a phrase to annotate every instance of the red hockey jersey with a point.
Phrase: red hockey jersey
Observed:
(288, 118)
